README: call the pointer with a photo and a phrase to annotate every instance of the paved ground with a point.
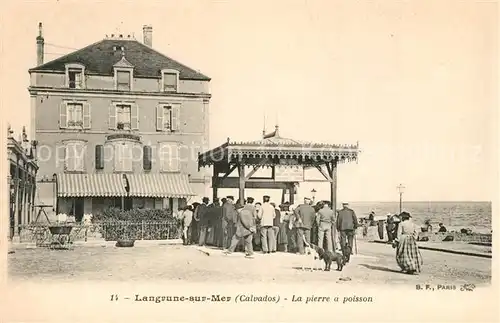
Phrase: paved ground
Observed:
(375, 264)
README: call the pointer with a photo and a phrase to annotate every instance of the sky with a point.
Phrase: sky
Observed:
(413, 81)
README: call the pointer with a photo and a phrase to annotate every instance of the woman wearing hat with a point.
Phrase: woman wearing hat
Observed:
(408, 255)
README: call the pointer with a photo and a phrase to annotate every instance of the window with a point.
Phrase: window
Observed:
(169, 157)
(74, 156)
(123, 80)
(124, 116)
(74, 114)
(170, 82)
(123, 157)
(75, 78)
(167, 117)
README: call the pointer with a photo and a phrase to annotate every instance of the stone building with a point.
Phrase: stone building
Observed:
(118, 124)
(21, 181)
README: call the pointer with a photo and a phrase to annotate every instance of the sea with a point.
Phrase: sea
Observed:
(454, 215)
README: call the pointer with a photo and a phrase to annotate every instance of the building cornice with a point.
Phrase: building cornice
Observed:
(34, 90)
(111, 75)
(107, 132)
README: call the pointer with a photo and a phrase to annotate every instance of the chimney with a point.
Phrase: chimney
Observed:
(147, 33)
(39, 45)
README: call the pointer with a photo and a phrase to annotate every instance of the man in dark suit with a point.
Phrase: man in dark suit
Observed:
(228, 221)
(305, 216)
(204, 216)
(215, 223)
(347, 223)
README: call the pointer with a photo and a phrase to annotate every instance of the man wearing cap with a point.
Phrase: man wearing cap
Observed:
(305, 216)
(266, 217)
(347, 222)
(228, 221)
(204, 216)
(245, 228)
(325, 219)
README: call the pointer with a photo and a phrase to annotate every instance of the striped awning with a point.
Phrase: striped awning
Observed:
(159, 185)
(82, 185)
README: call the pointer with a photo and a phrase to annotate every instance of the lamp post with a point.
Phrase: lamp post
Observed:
(401, 189)
(313, 194)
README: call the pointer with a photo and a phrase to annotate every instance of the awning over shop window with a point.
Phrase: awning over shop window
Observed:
(83, 185)
(160, 185)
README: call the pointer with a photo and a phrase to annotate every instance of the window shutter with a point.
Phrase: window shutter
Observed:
(112, 116)
(174, 158)
(134, 117)
(127, 154)
(99, 157)
(69, 157)
(183, 156)
(64, 154)
(159, 118)
(87, 120)
(63, 115)
(146, 157)
(176, 117)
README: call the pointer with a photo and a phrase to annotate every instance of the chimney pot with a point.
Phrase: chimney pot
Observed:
(147, 33)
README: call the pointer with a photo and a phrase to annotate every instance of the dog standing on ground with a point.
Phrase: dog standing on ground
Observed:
(327, 256)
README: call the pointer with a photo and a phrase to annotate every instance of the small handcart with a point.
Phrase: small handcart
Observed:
(60, 236)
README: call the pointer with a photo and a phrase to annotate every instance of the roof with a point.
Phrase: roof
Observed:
(99, 58)
(274, 146)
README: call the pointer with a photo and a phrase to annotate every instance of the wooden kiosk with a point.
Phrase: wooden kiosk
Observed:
(272, 151)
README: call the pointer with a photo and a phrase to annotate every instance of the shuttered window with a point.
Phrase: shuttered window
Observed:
(124, 116)
(168, 117)
(75, 115)
(123, 157)
(169, 157)
(74, 156)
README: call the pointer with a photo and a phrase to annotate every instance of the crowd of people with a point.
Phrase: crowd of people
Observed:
(251, 226)
(267, 227)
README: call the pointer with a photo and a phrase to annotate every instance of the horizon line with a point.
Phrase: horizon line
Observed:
(421, 201)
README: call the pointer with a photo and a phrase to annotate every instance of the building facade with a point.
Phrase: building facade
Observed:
(21, 181)
(118, 124)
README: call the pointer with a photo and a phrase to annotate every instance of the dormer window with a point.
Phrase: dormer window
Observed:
(124, 74)
(123, 80)
(75, 76)
(169, 80)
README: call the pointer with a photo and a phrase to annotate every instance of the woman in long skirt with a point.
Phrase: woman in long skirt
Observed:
(408, 255)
